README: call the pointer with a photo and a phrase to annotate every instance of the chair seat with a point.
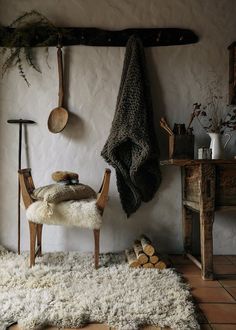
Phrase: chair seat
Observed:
(83, 213)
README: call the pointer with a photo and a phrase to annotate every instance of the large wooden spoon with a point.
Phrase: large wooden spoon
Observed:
(58, 117)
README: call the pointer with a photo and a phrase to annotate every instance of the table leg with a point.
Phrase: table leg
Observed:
(206, 227)
(207, 208)
(187, 229)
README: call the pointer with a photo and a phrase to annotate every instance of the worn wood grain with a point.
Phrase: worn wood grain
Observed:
(207, 185)
(187, 218)
(225, 185)
(207, 206)
(191, 183)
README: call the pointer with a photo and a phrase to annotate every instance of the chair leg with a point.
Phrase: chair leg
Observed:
(32, 227)
(96, 233)
(39, 239)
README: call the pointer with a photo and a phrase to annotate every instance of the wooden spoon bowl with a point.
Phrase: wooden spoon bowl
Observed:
(57, 120)
(58, 117)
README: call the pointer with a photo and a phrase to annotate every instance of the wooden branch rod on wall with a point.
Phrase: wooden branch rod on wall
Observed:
(152, 37)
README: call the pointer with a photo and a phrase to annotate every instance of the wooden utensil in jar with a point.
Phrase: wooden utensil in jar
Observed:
(165, 126)
(58, 117)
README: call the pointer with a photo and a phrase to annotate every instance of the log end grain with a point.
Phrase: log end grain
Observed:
(131, 258)
(147, 246)
(140, 255)
(160, 265)
(153, 259)
(148, 265)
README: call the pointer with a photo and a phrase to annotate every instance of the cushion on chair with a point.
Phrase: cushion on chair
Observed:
(82, 213)
(56, 193)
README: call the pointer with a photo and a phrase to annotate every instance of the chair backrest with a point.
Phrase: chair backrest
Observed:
(102, 196)
(26, 186)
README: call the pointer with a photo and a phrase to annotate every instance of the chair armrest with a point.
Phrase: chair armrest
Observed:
(102, 196)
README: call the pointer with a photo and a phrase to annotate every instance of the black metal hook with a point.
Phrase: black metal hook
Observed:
(158, 37)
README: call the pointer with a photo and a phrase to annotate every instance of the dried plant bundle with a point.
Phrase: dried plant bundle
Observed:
(214, 115)
(25, 32)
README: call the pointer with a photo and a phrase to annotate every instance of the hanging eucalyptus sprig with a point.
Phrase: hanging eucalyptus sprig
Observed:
(26, 32)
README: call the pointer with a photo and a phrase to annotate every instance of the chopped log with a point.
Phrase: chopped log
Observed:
(160, 265)
(141, 256)
(166, 259)
(147, 246)
(148, 265)
(131, 258)
(154, 259)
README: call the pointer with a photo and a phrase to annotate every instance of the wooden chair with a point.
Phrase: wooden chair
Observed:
(27, 187)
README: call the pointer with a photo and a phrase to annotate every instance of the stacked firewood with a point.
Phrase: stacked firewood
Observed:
(143, 254)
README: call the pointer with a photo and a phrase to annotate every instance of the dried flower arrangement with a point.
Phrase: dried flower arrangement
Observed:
(215, 116)
(27, 28)
(213, 120)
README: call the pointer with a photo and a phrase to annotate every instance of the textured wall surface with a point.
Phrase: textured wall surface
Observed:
(178, 77)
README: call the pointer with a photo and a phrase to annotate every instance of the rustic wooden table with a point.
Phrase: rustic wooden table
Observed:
(207, 186)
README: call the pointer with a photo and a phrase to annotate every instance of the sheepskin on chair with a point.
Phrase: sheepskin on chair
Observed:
(83, 213)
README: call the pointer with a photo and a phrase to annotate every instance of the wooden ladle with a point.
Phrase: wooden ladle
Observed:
(58, 117)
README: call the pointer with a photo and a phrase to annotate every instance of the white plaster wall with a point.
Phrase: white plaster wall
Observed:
(177, 74)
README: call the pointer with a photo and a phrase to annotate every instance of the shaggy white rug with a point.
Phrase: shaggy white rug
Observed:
(64, 290)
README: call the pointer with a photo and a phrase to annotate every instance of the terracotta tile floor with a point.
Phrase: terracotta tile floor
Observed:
(215, 300)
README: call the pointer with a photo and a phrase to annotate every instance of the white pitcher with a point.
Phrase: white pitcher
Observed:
(217, 145)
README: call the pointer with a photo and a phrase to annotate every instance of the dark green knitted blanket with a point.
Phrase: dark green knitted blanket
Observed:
(132, 147)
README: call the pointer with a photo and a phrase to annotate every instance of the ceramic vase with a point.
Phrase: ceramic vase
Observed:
(217, 145)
